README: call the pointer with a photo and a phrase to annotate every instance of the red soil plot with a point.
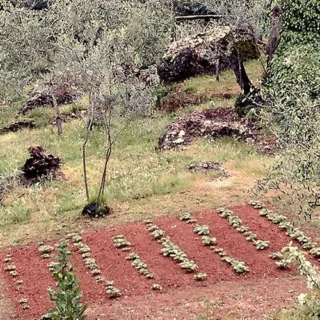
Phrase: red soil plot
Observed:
(232, 241)
(266, 229)
(238, 247)
(111, 261)
(33, 271)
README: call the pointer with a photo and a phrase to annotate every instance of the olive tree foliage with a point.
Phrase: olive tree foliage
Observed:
(33, 41)
(292, 87)
(297, 55)
(294, 176)
(309, 304)
(26, 48)
(243, 12)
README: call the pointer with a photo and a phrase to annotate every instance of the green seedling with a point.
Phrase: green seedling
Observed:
(200, 276)
(209, 241)
(188, 265)
(156, 287)
(201, 230)
(276, 255)
(46, 249)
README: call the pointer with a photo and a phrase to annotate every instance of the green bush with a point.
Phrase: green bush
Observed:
(67, 296)
(293, 86)
(297, 59)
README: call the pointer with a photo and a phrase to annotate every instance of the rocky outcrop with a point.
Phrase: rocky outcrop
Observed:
(207, 53)
(212, 123)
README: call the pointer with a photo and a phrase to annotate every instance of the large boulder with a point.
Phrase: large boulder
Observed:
(190, 7)
(207, 53)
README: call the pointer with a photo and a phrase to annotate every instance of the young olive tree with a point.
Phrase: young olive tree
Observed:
(109, 48)
(68, 294)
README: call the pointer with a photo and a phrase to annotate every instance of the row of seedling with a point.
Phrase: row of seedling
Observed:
(10, 267)
(46, 253)
(141, 266)
(45, 250)
(293, 232)
(280, 261)
(12, 270)
(91, 264)
(236, 222)
(121, 242)
(169, 249)
(211, 242)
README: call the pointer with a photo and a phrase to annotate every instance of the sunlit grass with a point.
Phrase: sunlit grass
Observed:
(136, 169)
(227, 82)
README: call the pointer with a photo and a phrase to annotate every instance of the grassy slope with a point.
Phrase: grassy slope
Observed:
(142, 181)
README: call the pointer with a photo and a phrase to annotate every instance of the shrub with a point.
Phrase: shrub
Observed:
(68, 294)
(293, 86)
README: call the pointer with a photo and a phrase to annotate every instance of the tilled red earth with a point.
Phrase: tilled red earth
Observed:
(36, 277)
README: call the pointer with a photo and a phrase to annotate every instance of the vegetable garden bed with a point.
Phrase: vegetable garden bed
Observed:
(133, 279)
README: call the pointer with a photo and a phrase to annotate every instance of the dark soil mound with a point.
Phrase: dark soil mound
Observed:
(93, 210)
(40, 165)
(42, 95)
(16, 126)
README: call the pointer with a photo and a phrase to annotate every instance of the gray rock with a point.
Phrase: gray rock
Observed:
(201, 53)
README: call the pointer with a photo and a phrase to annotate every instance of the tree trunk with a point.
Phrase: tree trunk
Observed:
(241, 75)
(275, 32)
(58, 116)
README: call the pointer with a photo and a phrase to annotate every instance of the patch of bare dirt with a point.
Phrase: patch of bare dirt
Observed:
(243, 299)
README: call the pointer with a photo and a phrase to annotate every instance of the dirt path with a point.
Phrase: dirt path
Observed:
(246, 299)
